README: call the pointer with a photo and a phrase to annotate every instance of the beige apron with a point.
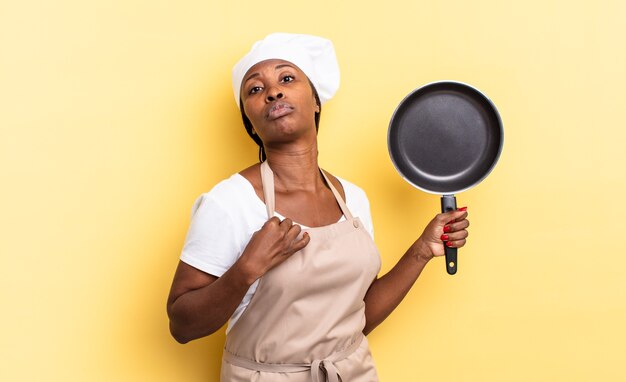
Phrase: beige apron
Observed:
(305, 320)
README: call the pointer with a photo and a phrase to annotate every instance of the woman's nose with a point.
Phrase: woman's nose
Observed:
(274, 94)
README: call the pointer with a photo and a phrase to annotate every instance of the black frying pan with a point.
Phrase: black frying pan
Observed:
(444, 138)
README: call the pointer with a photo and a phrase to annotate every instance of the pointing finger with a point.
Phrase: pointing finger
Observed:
(293, 232)
(301, 243)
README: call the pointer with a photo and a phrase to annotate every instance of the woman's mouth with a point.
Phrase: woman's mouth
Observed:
(278, 110)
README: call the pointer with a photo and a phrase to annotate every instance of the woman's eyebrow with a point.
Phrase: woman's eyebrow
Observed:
(279, 66)
(256, 74)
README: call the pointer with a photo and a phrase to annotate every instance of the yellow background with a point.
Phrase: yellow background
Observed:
(115, 115)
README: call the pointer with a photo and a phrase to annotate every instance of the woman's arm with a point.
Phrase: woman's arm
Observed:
(387, 292)
(199, 303)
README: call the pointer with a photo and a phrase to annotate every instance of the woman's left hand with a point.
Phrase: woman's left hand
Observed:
(386, 292)
(448, 229)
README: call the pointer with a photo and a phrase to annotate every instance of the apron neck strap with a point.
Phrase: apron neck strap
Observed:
(340, 201)
(267, 178)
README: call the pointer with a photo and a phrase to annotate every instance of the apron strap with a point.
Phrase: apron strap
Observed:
(267, 178)
(342, 204)
(322, 370)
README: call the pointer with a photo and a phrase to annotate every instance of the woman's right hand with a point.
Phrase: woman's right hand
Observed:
(274, 243)
(200, 303)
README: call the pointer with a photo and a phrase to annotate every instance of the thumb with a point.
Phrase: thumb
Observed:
(455, 215)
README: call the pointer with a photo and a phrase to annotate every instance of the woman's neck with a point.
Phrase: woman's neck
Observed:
(295, 168)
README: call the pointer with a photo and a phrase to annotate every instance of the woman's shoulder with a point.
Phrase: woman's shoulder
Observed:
(354, 193)
(357, 202)
(232, 193)
(252, 173)
(232, 187)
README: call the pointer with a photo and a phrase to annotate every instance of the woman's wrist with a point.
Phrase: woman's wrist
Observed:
(244, 271)
(421, 251)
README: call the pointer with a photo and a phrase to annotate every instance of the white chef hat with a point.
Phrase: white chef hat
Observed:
(315, 56)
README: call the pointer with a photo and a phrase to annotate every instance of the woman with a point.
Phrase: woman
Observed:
(300, 296)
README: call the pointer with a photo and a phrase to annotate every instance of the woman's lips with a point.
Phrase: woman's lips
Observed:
(278, 110)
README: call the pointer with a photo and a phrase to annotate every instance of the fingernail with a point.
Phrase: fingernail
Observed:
(446, 228)
(444, 237)
(463, 209)
(449, 243)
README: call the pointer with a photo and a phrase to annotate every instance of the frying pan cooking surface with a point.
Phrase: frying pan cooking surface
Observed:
(445, 137)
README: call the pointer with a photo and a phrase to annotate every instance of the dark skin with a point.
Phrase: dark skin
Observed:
(278, 99)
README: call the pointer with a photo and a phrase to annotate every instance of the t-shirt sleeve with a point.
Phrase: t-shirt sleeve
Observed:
(358, 203)
(211, 245)
(369, 224)
(366, 214)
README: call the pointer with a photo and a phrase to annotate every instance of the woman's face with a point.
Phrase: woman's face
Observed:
(278, 100)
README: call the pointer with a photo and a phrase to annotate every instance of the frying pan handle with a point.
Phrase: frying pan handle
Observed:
(448, 203)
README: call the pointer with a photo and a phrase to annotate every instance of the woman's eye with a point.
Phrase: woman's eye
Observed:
(288, 78)
(254, 89)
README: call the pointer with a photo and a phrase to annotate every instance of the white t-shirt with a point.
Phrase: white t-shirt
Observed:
(224, 219)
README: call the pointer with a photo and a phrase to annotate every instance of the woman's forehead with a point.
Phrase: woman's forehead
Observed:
(273, 63)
